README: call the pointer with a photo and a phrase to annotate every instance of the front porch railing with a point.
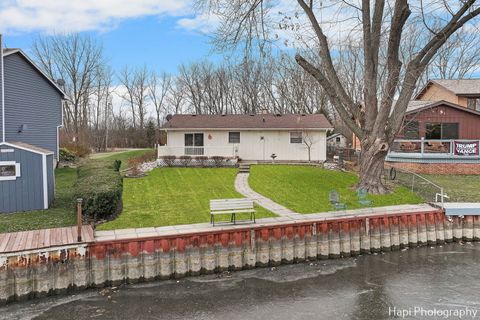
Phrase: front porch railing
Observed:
(426, 147)
(230, 151)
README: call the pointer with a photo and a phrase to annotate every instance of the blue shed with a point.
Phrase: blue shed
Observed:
(27, 179)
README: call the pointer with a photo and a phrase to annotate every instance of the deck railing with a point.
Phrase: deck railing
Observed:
(209, 151)
(427, 147)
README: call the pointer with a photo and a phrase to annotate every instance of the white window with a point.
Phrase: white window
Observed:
(234, 137)
(296, 137)
(9, 170)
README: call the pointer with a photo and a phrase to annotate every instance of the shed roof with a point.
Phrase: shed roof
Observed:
(248, 121)
(28, 147)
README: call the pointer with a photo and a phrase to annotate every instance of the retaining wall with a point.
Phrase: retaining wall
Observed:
(436, 168)
(27, 275)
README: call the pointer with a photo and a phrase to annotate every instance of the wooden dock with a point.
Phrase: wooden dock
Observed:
(43, 238)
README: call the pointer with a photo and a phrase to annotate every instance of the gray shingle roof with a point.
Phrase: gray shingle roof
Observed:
(461, 87)
(27, 146)
(247, 121)
(418, 105)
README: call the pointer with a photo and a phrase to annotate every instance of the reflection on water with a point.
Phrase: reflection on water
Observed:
(367, 287)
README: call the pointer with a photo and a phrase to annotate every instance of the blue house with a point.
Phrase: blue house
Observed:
(30, 117)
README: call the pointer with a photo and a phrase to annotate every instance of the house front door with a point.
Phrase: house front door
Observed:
(194, 144)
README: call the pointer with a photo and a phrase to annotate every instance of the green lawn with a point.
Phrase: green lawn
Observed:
(460, 188)
(61, 213)
(170, 196)
(305, 189)
(121, 155)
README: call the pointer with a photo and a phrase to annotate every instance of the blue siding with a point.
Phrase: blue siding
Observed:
(50, 179)
(32, 101)
(26, 192)
(1, 122)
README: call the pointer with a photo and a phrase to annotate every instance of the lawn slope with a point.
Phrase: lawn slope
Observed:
(305, 189)
(170, 196)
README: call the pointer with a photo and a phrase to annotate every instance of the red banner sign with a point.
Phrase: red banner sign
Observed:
(466, 148)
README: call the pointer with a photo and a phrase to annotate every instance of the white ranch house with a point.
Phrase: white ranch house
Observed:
(252, 137)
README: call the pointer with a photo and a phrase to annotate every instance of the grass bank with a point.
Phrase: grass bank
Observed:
(62, 211)
(171, 196)
(305, 189)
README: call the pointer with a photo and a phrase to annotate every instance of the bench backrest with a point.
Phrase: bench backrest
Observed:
(230, 204)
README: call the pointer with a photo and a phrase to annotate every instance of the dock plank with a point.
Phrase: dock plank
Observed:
(4, 242)
(16, 243)
(28, 241)
(47, 238)
(43, 238)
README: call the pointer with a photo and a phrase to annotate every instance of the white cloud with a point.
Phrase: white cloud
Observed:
(204, 23)
(50, 16)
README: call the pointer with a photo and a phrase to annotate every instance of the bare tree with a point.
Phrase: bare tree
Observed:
(375, 119)
(75, 59)
(176, 97)
(101, 100)
(159, 87)
(458, 57)
(135, 83)
(308, 140)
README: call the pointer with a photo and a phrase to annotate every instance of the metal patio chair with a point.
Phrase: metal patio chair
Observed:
(362, 197)
(334, 199)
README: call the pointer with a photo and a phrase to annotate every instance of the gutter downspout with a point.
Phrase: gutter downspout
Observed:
(2, 87)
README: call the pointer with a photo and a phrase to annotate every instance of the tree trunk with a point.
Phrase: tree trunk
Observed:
(371, 164)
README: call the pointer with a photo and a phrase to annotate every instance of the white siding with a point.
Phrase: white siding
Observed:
(251, 146)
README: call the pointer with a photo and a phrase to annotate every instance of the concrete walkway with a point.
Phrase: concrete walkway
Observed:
(121, 234)
(241, 185)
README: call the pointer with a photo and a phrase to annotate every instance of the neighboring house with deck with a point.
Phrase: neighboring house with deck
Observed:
(462, 92)
(30, 117)
(253, 137)
(442, 127)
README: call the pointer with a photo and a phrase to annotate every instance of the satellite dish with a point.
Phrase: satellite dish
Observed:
(169, 117)
(61, 82)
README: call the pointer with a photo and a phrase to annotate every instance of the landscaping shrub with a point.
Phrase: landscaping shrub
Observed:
(79, 150)
(218, 160)
(185, 160)
(117, 165)
(148, 156)
(134, 165)
(67, 155)
(202, 160)
(100, 187)
(169, 160)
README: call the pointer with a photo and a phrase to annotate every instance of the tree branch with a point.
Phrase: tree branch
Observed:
(332, 94)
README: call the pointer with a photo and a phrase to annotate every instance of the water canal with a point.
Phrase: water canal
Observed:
(424, 283)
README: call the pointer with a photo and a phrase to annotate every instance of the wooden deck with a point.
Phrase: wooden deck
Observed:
(44, 238)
